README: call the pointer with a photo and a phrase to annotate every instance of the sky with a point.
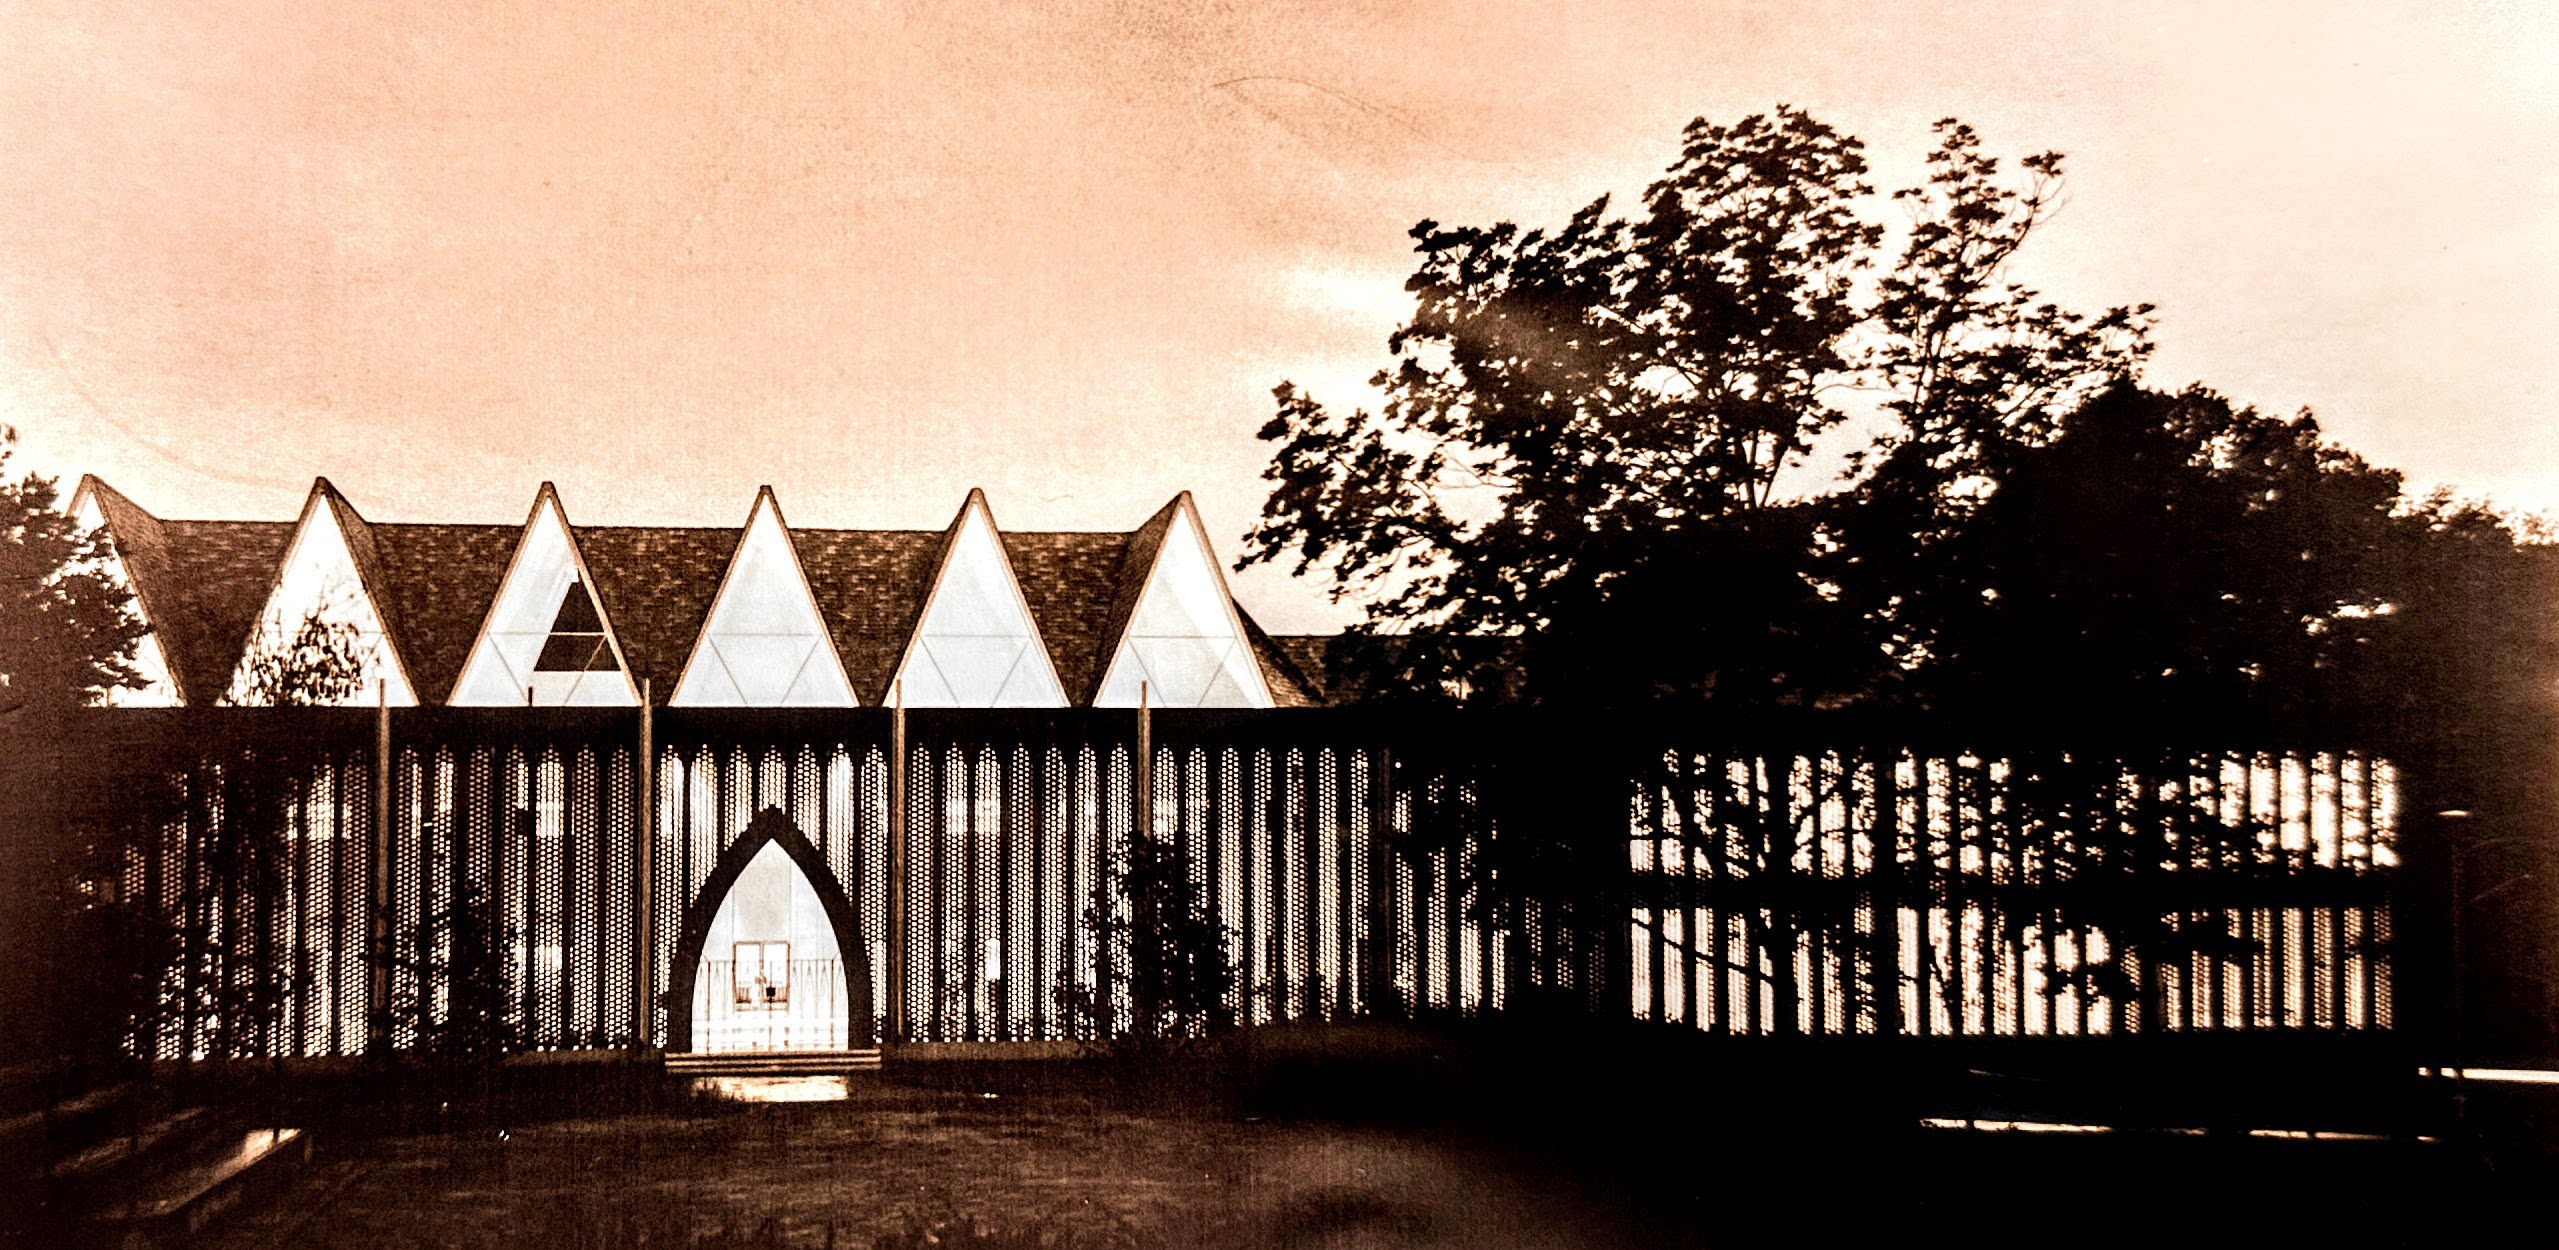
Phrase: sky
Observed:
(877, 254)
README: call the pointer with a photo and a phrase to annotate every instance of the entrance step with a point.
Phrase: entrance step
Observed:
(72, 1123)
(775, 1063)
(180, 1134)
(172, 1205)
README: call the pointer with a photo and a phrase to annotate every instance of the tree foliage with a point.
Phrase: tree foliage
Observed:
(67, 638)
(1585, 488)
(67, 626)
(1586, 432)
(1165, 953)
(320, 665)
(455, 999)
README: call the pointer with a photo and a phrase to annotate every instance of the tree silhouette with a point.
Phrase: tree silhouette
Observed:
(1165, 953)
(67, 640)
(1586, 431)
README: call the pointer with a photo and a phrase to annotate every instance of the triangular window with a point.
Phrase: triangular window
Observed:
(149, 662)
(577, 643)
(320, 630)
(764, 643)
(976, 645)
(545, 642)
(1185, 640)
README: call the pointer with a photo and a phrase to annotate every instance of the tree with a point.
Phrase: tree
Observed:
(1974, 368)
(234, 983)
(320, 665)
(67, 639)
(1621, 401)
(1165, 953)
(455, 989)
(67, 625)
(2162, 561)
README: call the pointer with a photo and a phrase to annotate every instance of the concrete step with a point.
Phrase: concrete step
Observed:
(73, 1123)
(173, 1206)
(164, 1140)
(775, 1063)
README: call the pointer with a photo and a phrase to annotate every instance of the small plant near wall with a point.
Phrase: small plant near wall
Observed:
(1168, 983)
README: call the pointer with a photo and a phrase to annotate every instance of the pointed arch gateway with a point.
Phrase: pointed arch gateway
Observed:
(728, 990)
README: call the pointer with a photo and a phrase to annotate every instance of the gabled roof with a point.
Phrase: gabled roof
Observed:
(870, 588)
(368, 567)
(1176, 533)
(1294, 682)
(203, 583)
(521, 585)
(784, 593)
(355, 541)
(1128, 586)
(973, 555)
(440, 581)
(1071, 580)
(135, 538)
(220, 572)
(655, 585)
(199, 584)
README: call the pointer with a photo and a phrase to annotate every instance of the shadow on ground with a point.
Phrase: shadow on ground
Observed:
(1409, 1136)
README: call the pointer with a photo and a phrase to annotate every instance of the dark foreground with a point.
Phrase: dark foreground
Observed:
(1404, 1139)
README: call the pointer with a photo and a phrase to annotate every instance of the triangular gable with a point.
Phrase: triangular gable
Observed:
(975, 643)
(323, 578)
(764, 644)
(548, 640)
(97, 507)
(1183, 638)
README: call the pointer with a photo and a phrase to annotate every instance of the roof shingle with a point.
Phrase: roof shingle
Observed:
(202, 584)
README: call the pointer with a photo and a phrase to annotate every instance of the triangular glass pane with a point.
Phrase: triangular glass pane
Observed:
(1031, 685)
(707, 684)
(765, 632)
(763, 665)
(319, 582)
(577, 612)
(975, 668)
(976, 645)
(921, 684)
(574, 653)
(816, 687)
(1184, 640)
(1224, 690)
(1180, 668)
(542, 595)
(764, 594)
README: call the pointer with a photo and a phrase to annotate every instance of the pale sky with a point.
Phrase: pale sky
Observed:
(877, 254)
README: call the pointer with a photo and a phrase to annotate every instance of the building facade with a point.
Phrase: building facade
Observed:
(769, 788)
(549, 614)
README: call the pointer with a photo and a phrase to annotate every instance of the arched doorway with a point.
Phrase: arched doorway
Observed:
(771, 956)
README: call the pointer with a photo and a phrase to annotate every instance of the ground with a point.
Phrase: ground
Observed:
(894, 1160)
(1378, 1137)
